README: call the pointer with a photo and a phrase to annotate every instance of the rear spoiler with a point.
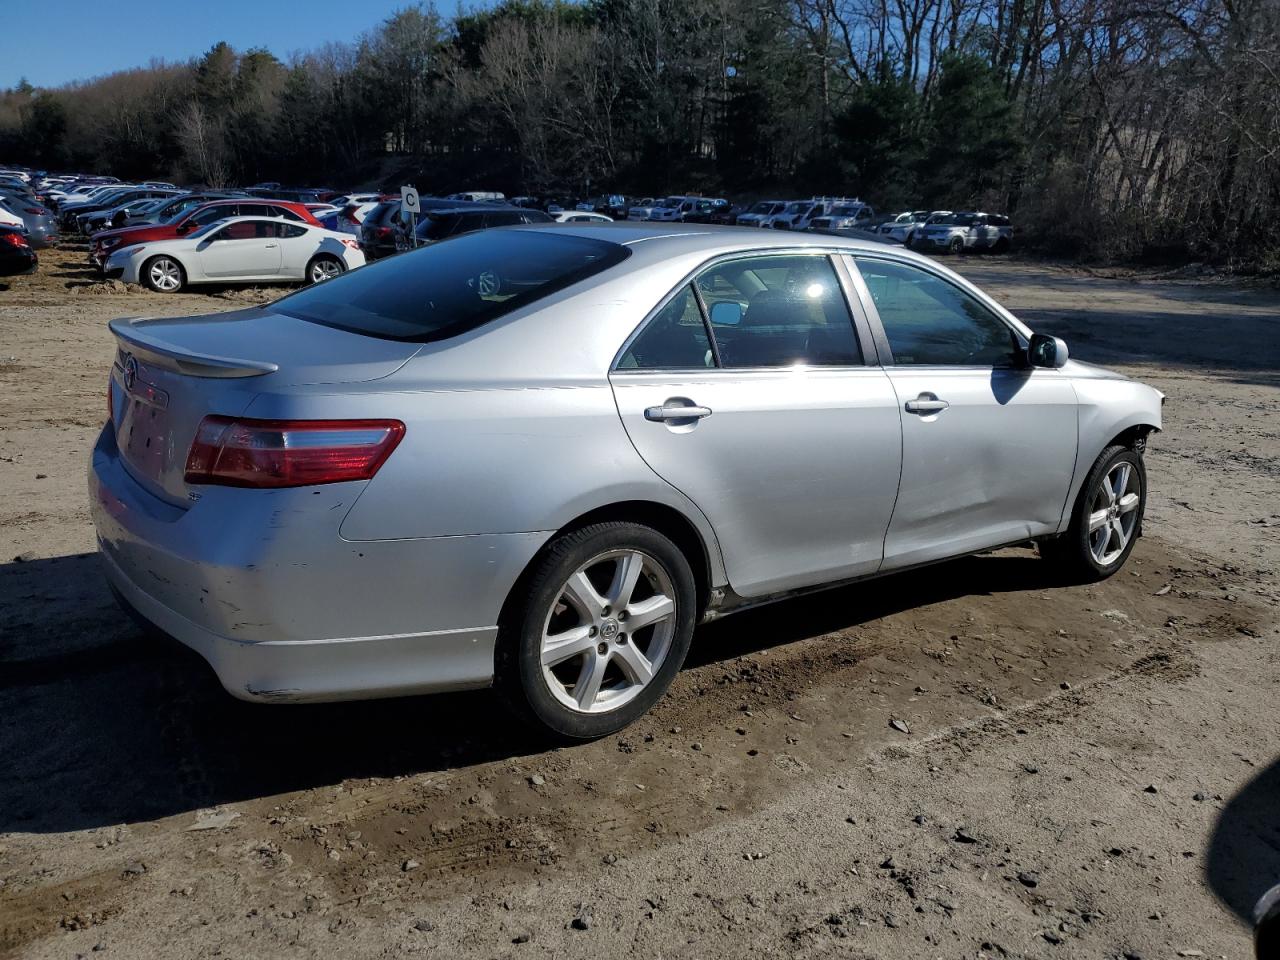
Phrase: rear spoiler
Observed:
(156, 350)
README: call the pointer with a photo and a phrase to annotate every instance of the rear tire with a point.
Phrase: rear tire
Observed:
(565, 661)
(1002, 245)
(323, 266)
(956, 247)
(163, 275)
(1106, 520)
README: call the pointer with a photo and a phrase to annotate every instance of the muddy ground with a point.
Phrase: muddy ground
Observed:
(1089, 771)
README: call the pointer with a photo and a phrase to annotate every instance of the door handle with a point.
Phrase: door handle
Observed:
(926, 403)
(673, 410)
(270, 245)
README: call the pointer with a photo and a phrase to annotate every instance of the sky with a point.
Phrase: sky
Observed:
(52, 42)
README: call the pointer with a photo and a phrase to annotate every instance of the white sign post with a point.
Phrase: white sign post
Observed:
(409, 204)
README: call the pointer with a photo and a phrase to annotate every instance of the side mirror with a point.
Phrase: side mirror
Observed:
(1047, 351)
(726, 313)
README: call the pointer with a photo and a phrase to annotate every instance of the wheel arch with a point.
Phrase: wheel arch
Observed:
(666, 519)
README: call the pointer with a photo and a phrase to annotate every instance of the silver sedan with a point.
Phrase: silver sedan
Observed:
(537, 457)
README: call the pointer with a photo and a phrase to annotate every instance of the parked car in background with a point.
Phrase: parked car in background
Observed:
(899, 226)
(11, 220)
(612, 205)
(192, 219)
(398, 510)
(16, 254)
(667, 209)
(798, 214)
(39, 224)
(641, 209)
(843, 216)
(477, 196)
(385, 231)
(760, 212)
(112, 215)
(916, 232)
(965, 231)
(174, 207)
(253, 249)
(349, 218)
(706, 210)
(440, 224)
(580, 216)
(88, 217)
(356, 199)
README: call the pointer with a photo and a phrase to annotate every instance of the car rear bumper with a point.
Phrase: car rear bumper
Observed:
(261, 585)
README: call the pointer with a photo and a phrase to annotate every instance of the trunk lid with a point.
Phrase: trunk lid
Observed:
(168, 375)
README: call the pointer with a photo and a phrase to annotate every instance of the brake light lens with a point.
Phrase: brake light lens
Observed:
(384, 231)
(351, 244)
(238, 452)
(13, 239)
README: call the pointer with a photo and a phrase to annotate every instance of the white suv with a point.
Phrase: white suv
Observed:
(958, 232)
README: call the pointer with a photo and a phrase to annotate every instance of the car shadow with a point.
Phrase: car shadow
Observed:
(1244, 851)
(102, 723)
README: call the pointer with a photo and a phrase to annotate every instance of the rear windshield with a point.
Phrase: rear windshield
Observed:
(452, 286)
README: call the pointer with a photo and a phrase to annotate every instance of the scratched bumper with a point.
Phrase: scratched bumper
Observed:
(262, 586)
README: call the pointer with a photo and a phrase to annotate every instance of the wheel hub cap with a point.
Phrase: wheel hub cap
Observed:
(588, 662)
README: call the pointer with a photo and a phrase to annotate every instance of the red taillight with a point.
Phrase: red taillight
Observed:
(384, 231)
(13, 239)
(352, 244)
(289, 453)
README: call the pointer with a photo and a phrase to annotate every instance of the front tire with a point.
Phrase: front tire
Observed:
(1106, 520)
(956, 247)
(163, 275)
(324, 267)
(598, 631)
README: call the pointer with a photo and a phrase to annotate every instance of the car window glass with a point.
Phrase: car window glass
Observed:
(446, 288)
(674, 339)
(291, 230)
(928, 320)
(287, 213)
(779, 311)
(255, 210)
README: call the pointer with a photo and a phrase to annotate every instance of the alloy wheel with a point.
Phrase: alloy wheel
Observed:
(608, 631)
(324, 270)
(166, 275)
(1113, 513)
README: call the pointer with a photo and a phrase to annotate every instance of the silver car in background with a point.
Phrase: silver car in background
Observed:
(537, 457)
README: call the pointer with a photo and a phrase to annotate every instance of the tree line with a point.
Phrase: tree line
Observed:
(1106, 128)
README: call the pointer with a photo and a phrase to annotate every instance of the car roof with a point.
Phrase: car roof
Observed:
(656, 241)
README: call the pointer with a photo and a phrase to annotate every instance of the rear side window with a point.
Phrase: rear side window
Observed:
(453, 286)
(675, 339)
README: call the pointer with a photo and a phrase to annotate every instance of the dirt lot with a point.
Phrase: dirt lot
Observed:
(1089, 772)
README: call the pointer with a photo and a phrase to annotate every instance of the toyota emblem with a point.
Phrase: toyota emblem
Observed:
(130, 371)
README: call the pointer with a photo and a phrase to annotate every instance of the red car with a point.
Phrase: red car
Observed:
(109, 240)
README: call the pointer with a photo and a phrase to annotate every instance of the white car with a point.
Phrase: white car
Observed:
(236, 250)
(581, 216)
(670, 208)
(642, 209)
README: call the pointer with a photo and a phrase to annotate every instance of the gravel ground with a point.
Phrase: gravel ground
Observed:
(1085, 772)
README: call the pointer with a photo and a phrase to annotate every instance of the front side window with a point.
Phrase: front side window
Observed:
(776, 311)
(929, 321)
(674, 339)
